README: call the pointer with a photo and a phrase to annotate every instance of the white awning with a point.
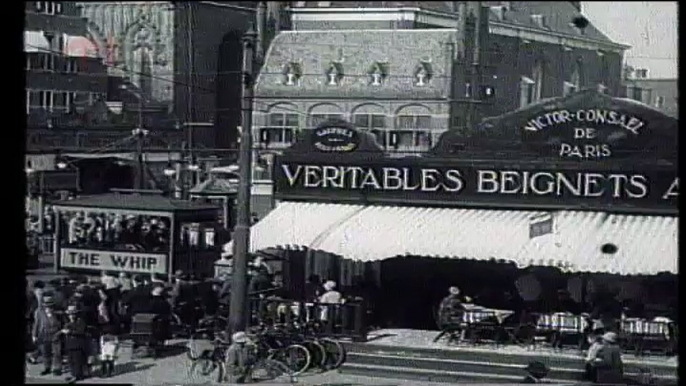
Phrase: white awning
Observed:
(79, 47)
(35, 42)
(644, 244)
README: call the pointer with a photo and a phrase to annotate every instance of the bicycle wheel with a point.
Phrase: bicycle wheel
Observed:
(272, 370)
(335, 352)
(296, 357)
(317, 353)
(196, 346)
(203, 369)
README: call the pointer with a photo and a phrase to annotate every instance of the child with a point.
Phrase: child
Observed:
(109, 347)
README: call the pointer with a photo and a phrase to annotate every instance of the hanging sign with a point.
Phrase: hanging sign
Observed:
(334, 139)
(116, 261)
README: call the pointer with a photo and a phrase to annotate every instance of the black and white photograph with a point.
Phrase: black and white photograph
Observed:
(350, 193)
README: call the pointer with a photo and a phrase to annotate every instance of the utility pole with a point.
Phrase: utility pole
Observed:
(238, 317)
(140, 133)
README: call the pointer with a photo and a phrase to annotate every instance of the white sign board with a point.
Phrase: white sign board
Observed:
(114, 261)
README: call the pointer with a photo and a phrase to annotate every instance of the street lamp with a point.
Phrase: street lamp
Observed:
(61, 165)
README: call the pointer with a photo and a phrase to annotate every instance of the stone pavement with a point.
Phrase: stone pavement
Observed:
(173, 370)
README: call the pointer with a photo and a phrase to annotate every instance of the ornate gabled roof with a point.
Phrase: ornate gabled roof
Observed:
(397, 51)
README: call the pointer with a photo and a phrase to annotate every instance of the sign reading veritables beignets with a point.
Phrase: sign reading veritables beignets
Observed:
(585, 151)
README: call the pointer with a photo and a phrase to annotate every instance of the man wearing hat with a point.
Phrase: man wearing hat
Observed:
(46, 334)
(76, 343)
(240, 356)
(536, 371)
(607, 364)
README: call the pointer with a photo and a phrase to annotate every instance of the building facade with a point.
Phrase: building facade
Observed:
(513, 55)
(394, 83)
(186, 56)
(662, 94)
(63, 72)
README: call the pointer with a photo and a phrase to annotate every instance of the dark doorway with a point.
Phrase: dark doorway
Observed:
(228, 116)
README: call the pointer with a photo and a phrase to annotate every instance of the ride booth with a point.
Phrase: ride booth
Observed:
(565, 211)
(136, 233)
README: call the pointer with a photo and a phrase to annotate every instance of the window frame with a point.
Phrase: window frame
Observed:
(28, 101)
(46, 99)
(416, 132)
(526, 91)
(282, 130)
(659, 101)
(382, 131)
(71, 65)
(311, 116)
(69, 98)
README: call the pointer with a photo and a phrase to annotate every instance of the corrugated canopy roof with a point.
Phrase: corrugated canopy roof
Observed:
(357, 51)
(135, 202)
(645, 244)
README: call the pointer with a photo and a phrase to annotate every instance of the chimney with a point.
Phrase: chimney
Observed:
(577, 5)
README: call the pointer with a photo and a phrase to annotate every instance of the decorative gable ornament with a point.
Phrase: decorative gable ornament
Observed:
(423, 73)
(334, 74)
(292, 72)
(378, 73)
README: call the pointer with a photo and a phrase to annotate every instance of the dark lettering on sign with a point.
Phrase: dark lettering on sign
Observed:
(133, 262)
(112, 260)
(335, 139)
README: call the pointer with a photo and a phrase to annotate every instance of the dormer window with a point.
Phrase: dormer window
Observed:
(334, 75)
(538, 21)
(423, 74)
(378, 73)
(291, 74)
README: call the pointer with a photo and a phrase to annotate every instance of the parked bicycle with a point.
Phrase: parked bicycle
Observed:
(272, 344)
(211, 360)
(207, 330)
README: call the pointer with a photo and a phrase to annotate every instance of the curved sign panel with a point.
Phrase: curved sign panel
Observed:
(334, 139)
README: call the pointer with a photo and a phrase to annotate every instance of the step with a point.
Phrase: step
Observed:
(432, 375)
(570, 374)
(453, 365)
(491, 353)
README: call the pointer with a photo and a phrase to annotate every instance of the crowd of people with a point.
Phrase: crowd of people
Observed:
(116, 231)
(82, 318)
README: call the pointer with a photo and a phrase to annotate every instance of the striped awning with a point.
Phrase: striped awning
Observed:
(35, 41)
(79, 47)
(576, 243)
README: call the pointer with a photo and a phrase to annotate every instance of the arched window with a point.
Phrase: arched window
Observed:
(323, 112)
(412, 130)
(282, 124)
(371, 118)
